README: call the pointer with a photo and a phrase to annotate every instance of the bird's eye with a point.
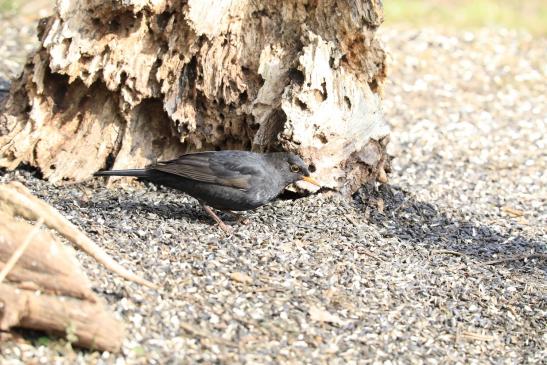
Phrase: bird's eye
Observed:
(295, 168)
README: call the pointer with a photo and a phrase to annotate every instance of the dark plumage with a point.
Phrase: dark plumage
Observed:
(225, 180)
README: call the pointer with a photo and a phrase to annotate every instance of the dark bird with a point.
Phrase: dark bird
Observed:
(225, 180)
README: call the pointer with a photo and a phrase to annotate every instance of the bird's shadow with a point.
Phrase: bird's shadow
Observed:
(397, 213)
(166, 209)
(172, 209)
(401, 215)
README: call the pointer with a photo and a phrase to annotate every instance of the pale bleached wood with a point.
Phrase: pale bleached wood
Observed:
(47, 264)
(44, 287)
(16, 255)
(16, 200)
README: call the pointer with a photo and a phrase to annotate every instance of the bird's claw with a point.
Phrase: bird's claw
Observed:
(226, 228)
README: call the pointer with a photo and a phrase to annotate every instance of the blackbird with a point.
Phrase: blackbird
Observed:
(225, 180)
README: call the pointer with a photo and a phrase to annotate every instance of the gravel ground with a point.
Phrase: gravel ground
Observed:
(403, 273)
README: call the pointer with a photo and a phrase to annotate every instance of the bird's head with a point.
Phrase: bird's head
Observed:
(293, 168)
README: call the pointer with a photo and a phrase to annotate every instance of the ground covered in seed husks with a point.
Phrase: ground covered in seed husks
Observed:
(445, 264)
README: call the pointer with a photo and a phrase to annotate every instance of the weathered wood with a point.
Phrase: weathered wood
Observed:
(44, 286)
(120, 84)
(16, 200)
(93, 326)
(45, 263)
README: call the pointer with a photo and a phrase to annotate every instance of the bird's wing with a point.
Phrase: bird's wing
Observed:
(209, 167)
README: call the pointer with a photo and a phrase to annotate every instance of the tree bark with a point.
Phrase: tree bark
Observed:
(46, 263)
(121, 84)
(16, 200)
(46, 289)
(92, 325)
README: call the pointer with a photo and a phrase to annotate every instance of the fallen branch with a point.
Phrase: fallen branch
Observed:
(46, 265)
(93, 326)
(42, 286)
(17, 200)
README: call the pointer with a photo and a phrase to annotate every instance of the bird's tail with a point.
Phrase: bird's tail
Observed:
(130, 172)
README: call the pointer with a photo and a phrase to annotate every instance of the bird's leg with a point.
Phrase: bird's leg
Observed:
(217, 219)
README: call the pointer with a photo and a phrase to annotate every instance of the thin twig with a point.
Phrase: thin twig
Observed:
(370, 254)
(517, 258)
(20, 250)
(476, 336)
(351, 220)
(254, 289)
(26, 205)
(204, 334)
(448, 252)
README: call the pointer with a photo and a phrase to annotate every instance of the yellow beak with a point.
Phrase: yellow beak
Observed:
(311, 180)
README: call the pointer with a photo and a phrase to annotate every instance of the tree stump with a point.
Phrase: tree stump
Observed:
(119, 84)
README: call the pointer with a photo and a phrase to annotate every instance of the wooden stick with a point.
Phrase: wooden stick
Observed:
(15, 198)
(47, 265)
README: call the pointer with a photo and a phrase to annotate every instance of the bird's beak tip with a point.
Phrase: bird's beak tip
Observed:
(311, 180)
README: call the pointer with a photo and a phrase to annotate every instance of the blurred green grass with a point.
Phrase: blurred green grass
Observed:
(8, 6)
(530, 15)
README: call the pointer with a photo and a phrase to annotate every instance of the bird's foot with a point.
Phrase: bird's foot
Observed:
(227, 229)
